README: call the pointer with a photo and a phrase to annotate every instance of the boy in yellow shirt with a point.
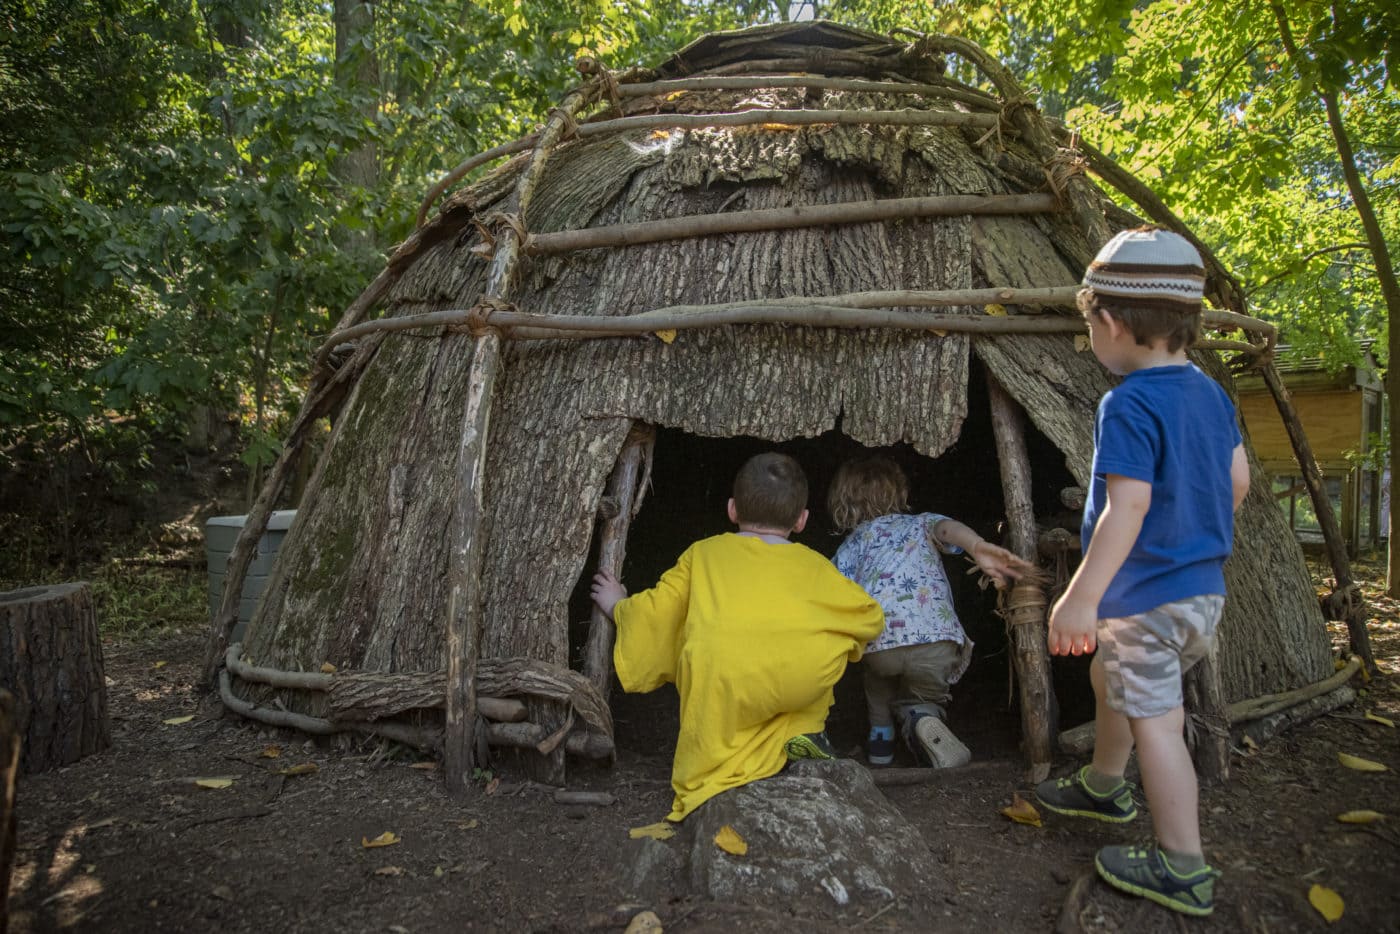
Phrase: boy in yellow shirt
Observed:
(754, 630)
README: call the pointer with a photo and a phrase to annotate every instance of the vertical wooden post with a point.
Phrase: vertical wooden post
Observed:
(464, 609)
(1209, 723)
(1345, 602)
(623, 497)
(9, 770)
(1028, 639)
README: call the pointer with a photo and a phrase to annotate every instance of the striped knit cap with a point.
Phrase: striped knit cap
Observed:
(1149, 264)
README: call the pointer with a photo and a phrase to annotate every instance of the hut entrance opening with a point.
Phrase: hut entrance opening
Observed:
(691, 481)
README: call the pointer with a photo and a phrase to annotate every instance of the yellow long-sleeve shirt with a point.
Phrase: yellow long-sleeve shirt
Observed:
(755, 636)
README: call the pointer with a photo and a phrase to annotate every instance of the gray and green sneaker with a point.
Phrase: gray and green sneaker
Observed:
(1143, 870)
(809, 746)
(1072, 796)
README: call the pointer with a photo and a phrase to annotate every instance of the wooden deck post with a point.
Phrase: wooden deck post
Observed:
(1027, 635)
(1345, 602)
(623, 497)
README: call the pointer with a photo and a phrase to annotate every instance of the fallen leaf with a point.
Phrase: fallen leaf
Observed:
(728, 839)
(661, 830)
(997, 311)
(305, 768)
(389, 871)
(469, 824)
(175, 721)
(160, 664)
(387, 838)
(1327, 902)
(1360, 817)
(492, 785)
(270, 752)
(437, 872)
(1022, 811)
(938, 333)
(1360, 764)
(213, 782)
(425, 766)
(644, 922)
(667, 335)
(104, 822)
(327, 668)
(222, 891)
(1377, 718)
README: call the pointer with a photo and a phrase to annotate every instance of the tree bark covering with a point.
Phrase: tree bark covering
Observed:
(361, 577)
(9, 772)
(51, 660)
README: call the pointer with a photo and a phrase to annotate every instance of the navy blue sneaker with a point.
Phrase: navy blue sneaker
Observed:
(879, 746)
(1142, 870)
(1072, 796)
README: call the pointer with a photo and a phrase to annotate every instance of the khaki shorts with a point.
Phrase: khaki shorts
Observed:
(1144, 656)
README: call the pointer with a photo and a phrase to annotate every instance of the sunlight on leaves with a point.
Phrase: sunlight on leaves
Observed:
(661, 830)
(667, 336)
(1360, 764)
(1360, 817)
(387, 838)
(645, 922)
(1377, 718)
(213, 782)
(1327, 902)
(996, 311)
(728, 839)
(1081, 342)
(327, 668)
(174, 721)
(1022, 811)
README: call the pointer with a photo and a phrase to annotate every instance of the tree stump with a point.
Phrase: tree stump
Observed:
(9, 768)
(51, 660)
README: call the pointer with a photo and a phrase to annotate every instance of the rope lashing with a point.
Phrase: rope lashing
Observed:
(566, 118)
(478, 323)
(491, 226)
(587, 65)
(1066, 163)
(1022, 604)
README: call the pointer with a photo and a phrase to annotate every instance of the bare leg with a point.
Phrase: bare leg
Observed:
(1113, 736)
(1169, 780)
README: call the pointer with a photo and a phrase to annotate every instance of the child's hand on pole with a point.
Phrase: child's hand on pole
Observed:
(1000, 564)
(607, 591)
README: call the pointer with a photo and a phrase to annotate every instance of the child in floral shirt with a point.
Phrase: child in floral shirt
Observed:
(911, 666)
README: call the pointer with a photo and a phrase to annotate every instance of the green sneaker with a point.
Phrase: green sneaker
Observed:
(1141, 870)
(809, 746)
(1072, 796)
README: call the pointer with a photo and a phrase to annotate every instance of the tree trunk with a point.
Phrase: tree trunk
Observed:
(1028, 635)
(9, 771)
(1209, 723)
(51, 659)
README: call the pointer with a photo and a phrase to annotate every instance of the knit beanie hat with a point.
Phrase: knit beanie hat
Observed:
(1151, 265)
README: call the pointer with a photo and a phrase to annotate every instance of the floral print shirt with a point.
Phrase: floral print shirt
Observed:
(896, 560)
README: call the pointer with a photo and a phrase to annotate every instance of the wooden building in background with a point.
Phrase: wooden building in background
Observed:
(1342, 413)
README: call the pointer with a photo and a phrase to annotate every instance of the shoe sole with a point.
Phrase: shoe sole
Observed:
(880, 760)
(1092, 815)
(1152, 895)
(800, 747)
(942, 746)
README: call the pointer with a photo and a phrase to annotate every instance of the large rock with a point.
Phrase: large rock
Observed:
(818, 829)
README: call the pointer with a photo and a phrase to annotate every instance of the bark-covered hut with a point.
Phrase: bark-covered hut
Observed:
(732, 224)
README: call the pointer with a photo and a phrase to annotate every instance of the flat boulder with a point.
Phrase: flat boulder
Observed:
(819, 829)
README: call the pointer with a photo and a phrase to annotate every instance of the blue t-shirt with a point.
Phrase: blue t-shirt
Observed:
(1172, 427)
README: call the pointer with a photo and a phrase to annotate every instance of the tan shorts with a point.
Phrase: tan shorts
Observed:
(1144, 656)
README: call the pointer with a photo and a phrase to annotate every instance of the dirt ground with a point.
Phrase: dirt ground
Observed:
(126, 841)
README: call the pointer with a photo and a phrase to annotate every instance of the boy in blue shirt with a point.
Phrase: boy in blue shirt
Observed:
(1169, 471)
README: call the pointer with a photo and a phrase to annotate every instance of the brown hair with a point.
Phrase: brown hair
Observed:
(1146, 319)
(866, 489)
(770, 490)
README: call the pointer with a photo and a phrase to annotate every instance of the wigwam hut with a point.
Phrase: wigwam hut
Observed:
(802, 236)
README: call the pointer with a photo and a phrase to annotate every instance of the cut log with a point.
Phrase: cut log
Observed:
(1265, 728)
(51, 659)
(9, 771)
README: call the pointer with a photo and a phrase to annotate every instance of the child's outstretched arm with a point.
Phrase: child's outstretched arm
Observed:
(1074, 618)
(995, 561)
(607, 592)
(1239, 474)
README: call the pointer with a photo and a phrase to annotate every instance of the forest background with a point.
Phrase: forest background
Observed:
(191, 191)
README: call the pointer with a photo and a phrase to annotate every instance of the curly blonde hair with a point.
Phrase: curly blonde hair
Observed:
(866, 489)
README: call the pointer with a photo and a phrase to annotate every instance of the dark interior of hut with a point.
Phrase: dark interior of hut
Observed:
(690, 485)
